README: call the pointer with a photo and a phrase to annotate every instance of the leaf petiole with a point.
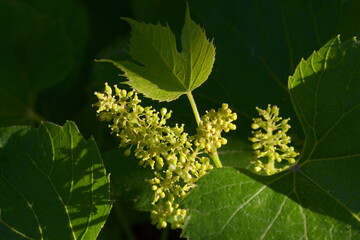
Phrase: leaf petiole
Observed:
(194, 108)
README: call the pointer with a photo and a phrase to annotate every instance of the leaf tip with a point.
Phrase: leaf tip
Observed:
(187, 15)
(128, 20)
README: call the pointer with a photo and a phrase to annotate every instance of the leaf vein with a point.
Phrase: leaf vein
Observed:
(28, 204)
(15, 230)
(331, 196)
(275, 218)
(51, 184)
(241, 207)
(301, 208)
(52, 151)
(164, 61)
(335, 158)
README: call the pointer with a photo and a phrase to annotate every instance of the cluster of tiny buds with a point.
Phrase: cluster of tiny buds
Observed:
(271, 143)
(211, 126)
(175, 157)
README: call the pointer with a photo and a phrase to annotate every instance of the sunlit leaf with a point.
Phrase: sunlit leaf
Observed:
(53, 184)
(158, 69)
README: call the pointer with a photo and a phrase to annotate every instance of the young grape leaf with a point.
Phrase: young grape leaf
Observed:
(159, 70)
(53, 184)
(319, 198)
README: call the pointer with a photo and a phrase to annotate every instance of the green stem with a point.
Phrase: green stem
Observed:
(194, 108)
(214, 155)
(216, 159)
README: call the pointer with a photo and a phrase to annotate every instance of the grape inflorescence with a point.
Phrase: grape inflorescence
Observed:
(177, 159)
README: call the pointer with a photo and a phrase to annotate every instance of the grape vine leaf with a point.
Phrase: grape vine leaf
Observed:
(258, 45)
(319, 198)
(159, 70)
(53, 184)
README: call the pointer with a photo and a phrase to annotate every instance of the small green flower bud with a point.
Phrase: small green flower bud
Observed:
(274, 110)
(127, 152)
(161, 224)
(163, 111)
(182, 159)
(253, 139)
(98, 95)
(168, 115)
(108, 89)
(162, 195)
(257, 169)
(257, 145)
(291, 160)
(233, 116)
(130, 94)
(140, 109)
(123, 93)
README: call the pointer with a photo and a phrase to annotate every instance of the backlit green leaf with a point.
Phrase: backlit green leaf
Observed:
(53, 184)
(319, 198)
(158, 69)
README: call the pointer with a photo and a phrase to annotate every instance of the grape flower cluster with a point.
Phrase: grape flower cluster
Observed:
(271, 143)
(176, 158)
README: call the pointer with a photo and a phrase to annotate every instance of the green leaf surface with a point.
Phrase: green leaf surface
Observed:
(159, 70)
(236, 153)
(258, 45)
(319, 198)
(53, 184)
(325, 91)
(228, 204)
